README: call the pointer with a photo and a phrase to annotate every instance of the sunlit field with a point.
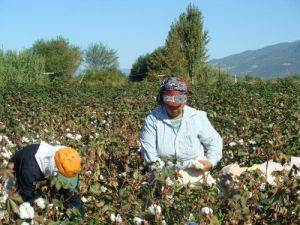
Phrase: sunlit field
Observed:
(258, 121)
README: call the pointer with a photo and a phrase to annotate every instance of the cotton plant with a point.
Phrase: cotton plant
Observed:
(232, 144)
(5, 153)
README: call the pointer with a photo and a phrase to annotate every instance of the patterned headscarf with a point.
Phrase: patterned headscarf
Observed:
(173, 92)
(173, 83)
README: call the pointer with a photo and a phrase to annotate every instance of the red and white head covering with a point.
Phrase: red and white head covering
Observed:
(173, 92)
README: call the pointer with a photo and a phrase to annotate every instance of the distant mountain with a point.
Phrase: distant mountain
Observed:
(279, 60)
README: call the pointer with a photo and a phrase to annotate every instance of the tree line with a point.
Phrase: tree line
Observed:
(184, 54)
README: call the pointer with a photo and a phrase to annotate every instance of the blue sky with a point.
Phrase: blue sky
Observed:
(137, 27)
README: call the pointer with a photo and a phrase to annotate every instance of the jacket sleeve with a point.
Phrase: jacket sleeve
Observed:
(148, 142)
(211, 140)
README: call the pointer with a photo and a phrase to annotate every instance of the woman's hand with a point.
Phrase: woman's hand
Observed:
(205, 165)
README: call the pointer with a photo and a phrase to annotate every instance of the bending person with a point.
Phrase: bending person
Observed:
(34, 162)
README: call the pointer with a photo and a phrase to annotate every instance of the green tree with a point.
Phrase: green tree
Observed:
(175, 58)
(99, 58)
(60, 56)
(184, 53)
(139, 70)
(158, 64)
(188, 40)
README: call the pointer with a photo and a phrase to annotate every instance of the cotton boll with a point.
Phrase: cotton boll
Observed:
(25, 223)
(1, 214)
(70, 136)
(138, 221)
(89, 172)
(262, 187)
(78, 137)
(252, 142)
(25, 140)
(83, 199)
(154, 209)
(40, 203)
(4, 197)
(103, 189)
(112, 217)
(198, 165)
(6, 153)
(206, 210)
(169, 182)
(119, 219)
(209, 179)
(26, 211)
(231, 144)
(4, 163)
(241, 142)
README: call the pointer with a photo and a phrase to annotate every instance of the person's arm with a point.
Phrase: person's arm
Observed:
(148, 143)
(73, 199)
(212, 142)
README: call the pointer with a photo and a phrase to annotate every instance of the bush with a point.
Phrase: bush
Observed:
(109, 76)
(23, 66)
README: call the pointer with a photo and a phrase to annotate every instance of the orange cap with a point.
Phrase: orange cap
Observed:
(67, 161)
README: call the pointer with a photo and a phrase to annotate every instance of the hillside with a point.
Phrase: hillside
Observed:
(279, 60)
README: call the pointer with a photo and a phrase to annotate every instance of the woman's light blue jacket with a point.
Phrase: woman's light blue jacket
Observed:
(195, 137)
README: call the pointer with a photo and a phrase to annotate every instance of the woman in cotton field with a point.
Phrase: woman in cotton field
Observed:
(179, 133)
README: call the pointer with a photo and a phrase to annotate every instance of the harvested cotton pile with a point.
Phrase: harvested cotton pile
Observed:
(192, 176)
(232, 171)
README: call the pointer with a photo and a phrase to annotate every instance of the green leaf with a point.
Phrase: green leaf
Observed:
(12, 206)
